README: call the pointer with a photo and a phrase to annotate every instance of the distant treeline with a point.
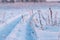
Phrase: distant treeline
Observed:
(23, 0)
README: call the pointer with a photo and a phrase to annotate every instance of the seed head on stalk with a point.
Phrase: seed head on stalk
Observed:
(44, 19)
(51, 15)
(48, 20)
(55, 22)
(40, 21)
(50, 12)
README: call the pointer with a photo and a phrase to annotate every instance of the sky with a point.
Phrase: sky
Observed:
(52, 0)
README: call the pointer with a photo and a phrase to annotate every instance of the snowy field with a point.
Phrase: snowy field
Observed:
(34, 22)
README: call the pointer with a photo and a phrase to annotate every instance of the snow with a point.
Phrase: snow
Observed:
(24, 24)
(8, 28)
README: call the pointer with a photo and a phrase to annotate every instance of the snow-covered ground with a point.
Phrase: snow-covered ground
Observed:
(30, 23)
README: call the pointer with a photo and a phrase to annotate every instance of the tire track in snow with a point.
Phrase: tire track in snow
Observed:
(8, 28)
